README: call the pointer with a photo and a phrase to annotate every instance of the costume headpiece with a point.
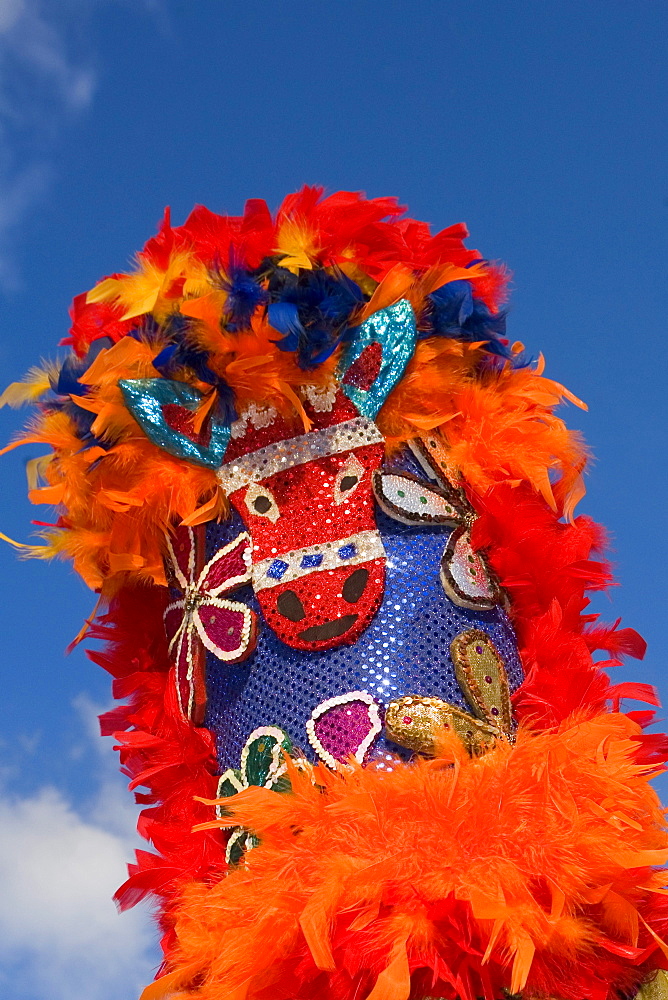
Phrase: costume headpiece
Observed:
(329, 511)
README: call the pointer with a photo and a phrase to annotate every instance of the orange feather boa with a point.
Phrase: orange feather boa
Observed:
(528, 869)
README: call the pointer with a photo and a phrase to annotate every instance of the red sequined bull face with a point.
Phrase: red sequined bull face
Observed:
(318, 560)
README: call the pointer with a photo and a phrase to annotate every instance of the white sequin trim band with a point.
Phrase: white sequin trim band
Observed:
(259, 465)
(289, 566)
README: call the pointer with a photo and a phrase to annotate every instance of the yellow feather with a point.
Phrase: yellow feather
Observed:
(141, 291)
(34, 384)
(297, 245)
(104, 291)
(17, 545)
(36, 469)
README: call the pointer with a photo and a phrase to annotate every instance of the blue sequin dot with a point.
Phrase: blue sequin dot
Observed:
(347, 551)
(309, 561)
(277, 569)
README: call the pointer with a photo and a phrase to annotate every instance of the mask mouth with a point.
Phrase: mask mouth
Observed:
(328, 630)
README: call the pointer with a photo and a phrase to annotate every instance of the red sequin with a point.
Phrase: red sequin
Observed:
(182, 420)
(365, 370)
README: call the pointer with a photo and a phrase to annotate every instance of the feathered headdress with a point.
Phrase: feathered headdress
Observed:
(237, 349)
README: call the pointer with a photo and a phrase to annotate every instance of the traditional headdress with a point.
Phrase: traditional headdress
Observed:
(329, 511)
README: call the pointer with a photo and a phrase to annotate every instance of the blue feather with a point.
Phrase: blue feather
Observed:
(311, 310)
(181, 353)
(162, 362)
(149, 331)
(455, 312)
(284, 317)
(244, 295)
(67, 383)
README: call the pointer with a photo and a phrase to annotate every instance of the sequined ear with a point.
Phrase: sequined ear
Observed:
(344, 727)
(416, 722)
(375, 360)
(407, 499)
(482, 677)
(165, 411)
(465, 575)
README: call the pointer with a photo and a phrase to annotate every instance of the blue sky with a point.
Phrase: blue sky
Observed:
(540, 125)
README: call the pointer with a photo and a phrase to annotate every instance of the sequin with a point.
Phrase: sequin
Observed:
(429, 718)
(343, 727)
(277, 569)
(395, 330)
(365, 370)
(410, 500)
(321, 398)
(482, 677)
(405, 650)
(260, 502)
(147, 399)
(465, 575)
(287, 453)
(255, 416)
(434, 459)
(363, 546)
(262, 763)
(312, 561)
(200, 616)
(307, 603)
(348, 479)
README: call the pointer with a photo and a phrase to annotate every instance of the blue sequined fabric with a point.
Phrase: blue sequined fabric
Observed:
(404, 651)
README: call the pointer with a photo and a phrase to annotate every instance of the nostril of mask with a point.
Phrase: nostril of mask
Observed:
(290, 606)
(355, 585)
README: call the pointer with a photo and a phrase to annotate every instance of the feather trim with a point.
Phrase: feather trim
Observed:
(529, 869)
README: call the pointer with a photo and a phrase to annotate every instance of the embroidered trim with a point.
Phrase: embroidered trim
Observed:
(277, 766)
(321, 397)
(258, 416)
(257, 493)
(352, 469)
(259, 465)
(434, 457)
(289, 566)
(260, 771)
(186, 624)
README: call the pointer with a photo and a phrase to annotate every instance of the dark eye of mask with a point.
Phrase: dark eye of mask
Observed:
(347, 483)
(290, 606)
(355, 585)
(262, 504)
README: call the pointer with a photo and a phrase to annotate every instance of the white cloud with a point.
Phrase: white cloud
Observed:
(45, 82)
(36, 48)
(60, 933)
